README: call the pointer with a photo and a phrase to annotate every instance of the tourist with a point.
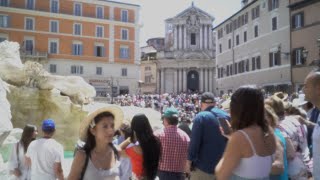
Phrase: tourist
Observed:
(144, 150)
(250, 148)
(98, 159)
(312, 94)
(17, 165)
(207, 143)
(279, 169)
(45, 155)
(174, 143)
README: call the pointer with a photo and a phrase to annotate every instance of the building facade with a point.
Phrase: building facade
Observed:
(305, 34)
(253, 47)
(148, 69)
(187, 62)
(97, 39)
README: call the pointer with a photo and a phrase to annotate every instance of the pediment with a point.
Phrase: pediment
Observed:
(193, 10)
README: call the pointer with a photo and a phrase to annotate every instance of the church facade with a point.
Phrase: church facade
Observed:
(187, 63)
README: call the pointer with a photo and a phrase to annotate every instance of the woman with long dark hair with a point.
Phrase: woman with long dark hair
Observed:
(145, 149)
(98, 159)
(17, 165)
(250, 148)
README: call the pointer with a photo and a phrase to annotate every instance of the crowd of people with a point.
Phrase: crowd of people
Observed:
(255, 137)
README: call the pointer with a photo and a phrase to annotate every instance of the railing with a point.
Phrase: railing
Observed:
(34, 54)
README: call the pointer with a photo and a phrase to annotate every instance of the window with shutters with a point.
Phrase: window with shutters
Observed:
(99, 31)
(227, 70)
(124, 72)
(246, 18)
(53, 46)
(4, 21)
(99, 12)
(99, 70)
(235, 68)
(76, 69)
(297, 56)
(298, 20)
(253, 63)
(77, 29)
(53, 68)
(247, 65)
(124, 52)
(230, 67)
(245, 36)
(54, 6)
(220, 48)
(273, 4)
(258, 62)
(256, 31)
(4, 3)
(237, 40)
(255, 12)
(274, 59)
(124, 34)
(229, 43)
(77, 9)
(54, 26)
(30, 4)
(274, 24)
(77, 49)
(124, 15)
(29, 23)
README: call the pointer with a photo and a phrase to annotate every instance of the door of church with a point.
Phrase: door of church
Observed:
(193, 81)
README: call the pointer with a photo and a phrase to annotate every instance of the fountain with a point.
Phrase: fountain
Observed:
(29, 94)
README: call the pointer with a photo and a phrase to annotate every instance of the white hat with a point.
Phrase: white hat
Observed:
(299, 101)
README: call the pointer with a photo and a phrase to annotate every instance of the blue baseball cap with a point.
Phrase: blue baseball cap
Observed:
(48, 125)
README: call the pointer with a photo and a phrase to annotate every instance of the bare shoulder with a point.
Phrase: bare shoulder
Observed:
(80, 156)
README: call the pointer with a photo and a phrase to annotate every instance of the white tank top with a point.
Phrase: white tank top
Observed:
(93, 173)
(254, 167)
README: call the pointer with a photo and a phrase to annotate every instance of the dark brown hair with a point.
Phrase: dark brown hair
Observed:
(27, 136)
(247, 108)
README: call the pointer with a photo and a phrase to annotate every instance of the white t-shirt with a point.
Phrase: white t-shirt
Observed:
(43, 154)
(316, 150)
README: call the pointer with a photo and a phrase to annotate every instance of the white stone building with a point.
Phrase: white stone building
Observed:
(187, 63)
(253, 47)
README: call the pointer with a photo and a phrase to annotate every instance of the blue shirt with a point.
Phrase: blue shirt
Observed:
(207, 144)
(284, 175)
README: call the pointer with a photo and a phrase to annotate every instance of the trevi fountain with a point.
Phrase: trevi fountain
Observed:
(30, 94)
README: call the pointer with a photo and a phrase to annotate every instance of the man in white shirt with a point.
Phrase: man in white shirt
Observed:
(312, 94)
(45, 155)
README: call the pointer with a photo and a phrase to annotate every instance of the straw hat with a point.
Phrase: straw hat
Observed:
(283, 96)
(88, 121)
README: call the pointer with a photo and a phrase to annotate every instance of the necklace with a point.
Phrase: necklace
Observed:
(101, 159)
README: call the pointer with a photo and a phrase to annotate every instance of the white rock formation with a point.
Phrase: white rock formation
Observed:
(32, 74)
(5, 113)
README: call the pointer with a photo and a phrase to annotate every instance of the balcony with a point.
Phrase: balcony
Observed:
(33, 56)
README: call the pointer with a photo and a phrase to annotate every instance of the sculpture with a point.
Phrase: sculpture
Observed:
(32, 74)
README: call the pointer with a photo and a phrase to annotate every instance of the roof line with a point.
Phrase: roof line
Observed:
(121, 3)
(235, 14)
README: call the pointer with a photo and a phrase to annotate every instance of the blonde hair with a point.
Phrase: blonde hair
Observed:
(276, 104)
(271, 116)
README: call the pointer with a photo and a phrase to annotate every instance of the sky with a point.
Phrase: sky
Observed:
(154, 12)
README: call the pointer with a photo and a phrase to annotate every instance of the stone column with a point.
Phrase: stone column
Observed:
(210, 79)
(158, 81)
(175, 82)
(205, 37)
(184, 79)
(185, 37)
(175, 34)
(210, 38)
(200, 79)
(180, 37)
(162, 81)
(201, 36)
